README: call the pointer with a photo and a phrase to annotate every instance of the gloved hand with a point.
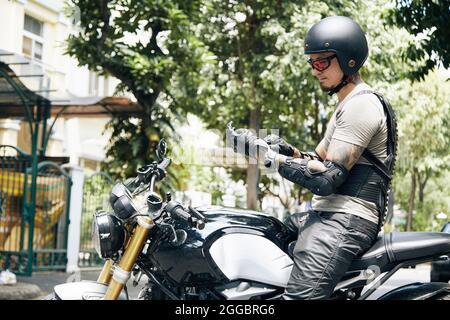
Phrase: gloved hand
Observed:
(243, 141)
(277, 144)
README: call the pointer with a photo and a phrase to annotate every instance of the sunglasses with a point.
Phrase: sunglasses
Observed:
(321, 64)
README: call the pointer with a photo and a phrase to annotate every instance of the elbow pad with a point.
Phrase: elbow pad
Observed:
(320, 183)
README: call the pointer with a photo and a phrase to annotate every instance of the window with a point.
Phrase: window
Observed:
(33, 25)
(27, 46)
(33, 41)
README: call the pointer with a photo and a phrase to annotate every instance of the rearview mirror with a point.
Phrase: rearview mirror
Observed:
(161, 149)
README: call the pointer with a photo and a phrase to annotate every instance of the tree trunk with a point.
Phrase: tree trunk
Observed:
(422, 185)
(315, 132)
(412, 195)
(255, 112)
(252, 169)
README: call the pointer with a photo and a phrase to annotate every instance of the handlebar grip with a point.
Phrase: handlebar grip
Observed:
(164, 164)
(177, 210)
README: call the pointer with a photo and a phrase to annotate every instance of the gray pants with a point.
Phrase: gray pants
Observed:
(326, 245)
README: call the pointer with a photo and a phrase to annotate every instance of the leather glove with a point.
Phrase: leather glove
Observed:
(277, 144)
(243, 141)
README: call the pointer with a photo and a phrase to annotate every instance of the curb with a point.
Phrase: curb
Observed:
(20, 291)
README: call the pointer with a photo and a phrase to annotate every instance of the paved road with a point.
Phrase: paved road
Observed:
(47, 280)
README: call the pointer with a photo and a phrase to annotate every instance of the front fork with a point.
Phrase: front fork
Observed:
(119, 277)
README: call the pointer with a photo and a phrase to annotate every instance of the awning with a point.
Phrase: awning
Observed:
(22, 82)
(96, 107)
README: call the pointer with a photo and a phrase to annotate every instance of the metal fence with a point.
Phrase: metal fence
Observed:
(96, 191)
(14, 251)
(33, 235)
(51, 219)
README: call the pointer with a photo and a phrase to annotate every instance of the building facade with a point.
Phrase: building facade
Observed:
(37, 30)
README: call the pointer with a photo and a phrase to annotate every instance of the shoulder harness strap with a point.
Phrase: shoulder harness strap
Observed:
(384, 168)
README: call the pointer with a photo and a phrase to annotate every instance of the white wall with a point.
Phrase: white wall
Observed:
(81, 137)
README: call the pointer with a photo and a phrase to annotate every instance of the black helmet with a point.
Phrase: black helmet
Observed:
(341, 35)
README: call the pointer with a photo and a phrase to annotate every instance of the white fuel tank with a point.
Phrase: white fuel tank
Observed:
(251, 257)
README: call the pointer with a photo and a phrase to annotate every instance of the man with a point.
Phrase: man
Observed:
(350, 171)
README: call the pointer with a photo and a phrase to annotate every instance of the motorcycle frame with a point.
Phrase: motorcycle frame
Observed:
(389, 274)
(138, 240)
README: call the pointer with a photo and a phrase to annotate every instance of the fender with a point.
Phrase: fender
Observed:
(83, 290)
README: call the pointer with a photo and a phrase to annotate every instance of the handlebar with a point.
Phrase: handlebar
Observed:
(148, 172)
(164, 164)
(177, 211)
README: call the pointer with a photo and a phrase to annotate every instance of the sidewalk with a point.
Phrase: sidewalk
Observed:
(40, 284)
(19, 291)
(46, 280)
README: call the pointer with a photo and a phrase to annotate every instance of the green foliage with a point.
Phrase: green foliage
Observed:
(424, 113)
(243, 61)
(436, 199)
(257, 63)
(144, 44)
(429, 21)
(424, 136)
(208, 179)
(96, 190)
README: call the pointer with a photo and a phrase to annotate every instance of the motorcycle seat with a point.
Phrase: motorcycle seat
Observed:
(396, 247)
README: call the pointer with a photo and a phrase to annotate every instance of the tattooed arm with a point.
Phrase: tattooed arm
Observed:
(344, 153)
(321, 150)
(319, 155)
(322, 178)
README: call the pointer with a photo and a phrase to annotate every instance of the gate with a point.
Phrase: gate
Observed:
(96, 191)
(14, 221)
(51, 218)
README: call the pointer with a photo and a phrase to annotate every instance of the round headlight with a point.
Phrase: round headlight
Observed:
(108, 234)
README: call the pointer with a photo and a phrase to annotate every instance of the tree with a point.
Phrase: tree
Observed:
(428, 20)
(229, 60)
(144, 44)
(424, 137)
(260, 79)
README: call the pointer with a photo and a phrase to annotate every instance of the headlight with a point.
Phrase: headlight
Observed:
(108, 234)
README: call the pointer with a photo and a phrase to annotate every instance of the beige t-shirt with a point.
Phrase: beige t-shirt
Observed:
(358, 120)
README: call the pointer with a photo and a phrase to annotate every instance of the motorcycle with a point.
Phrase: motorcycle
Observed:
(213, 252)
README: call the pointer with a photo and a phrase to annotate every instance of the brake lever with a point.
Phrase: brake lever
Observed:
(199, 219)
